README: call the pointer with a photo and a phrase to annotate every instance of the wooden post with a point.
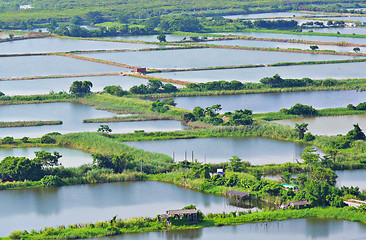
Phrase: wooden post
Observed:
(185, 155)
(173, 157)
(192, 156)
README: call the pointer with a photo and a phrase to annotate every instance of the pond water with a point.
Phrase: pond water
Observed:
(269, 15)
(320, 71)
(270, 44)
(332, 125)
(273, 102)
(11, 67)
(351, 18)
(258, 151)
(352, 178)
(207, 57)
(39, 207)
(300, 37)
(348, 178)
(44, 86)
(43, 45)
(300, 229)
(148, 38)
(346, 30)
(72, 115)
(70, 157)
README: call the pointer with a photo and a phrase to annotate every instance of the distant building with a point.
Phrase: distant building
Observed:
(25, 6)
(294, 188)
(297, 204)
(139, 70)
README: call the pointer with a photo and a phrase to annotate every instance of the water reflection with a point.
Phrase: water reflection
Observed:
(257, 151)
(40, 207)
(70, 157)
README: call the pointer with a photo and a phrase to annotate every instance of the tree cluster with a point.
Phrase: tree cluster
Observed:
(153, 86)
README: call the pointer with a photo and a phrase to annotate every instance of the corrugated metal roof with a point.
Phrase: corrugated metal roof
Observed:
(237, 193)
(181, 211)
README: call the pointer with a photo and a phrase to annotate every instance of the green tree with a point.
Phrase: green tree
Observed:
(80, 88)
(20, 169)
(285, 177)
(356, 133)
(301, 129)
(104, 129)
(46, 159)
(324, 175)
(7, 140)
(161, 37)
(257, 173)
(235, 164)
(356, 49)
(314, 47)
(47, 139)
(309, 156)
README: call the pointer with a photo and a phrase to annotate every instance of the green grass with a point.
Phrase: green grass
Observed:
(28, 123)
(139, 225)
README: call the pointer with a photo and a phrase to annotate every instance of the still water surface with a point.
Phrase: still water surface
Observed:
(284, 45)
(44, 86)
(257, 151)
(269, 15)
(72, 115)
(44, 45)
(70, 157)
(50, 65)
(273, 102)
(300, 37)
(39, 207)
(207, 57)
(321, 71)
(299, 229)
(332, 125)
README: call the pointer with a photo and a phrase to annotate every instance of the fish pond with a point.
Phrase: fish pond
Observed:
(36, 208)
(283, 45)
(26, 66)
(72, 116)
(269, 15)
(273, 102)
(207, 57)
(45, 45)
(320, 71)
(258, 151)
(299, 229)
(332, 125)
(70, 157)
(299, 37)
(45, 86)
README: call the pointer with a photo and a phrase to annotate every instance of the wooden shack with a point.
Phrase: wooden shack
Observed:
(296, 204)
(238, 194)
(190, 214)
(139, 70)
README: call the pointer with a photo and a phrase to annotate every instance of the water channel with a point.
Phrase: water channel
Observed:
(257, 151)
(72, 115)
(207, 57)
(273, 102)
(36, 208)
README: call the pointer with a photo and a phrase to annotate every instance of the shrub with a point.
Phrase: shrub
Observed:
(51, 181)
(47, 139)
(25, 139)
(7, 140)
(309, 137)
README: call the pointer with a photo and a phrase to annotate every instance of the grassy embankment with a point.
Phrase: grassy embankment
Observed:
(28, 123)
(139, 225)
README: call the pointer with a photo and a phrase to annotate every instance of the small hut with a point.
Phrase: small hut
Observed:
(190, 214)
(238, 194)
(139, 70)
(296, 204)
